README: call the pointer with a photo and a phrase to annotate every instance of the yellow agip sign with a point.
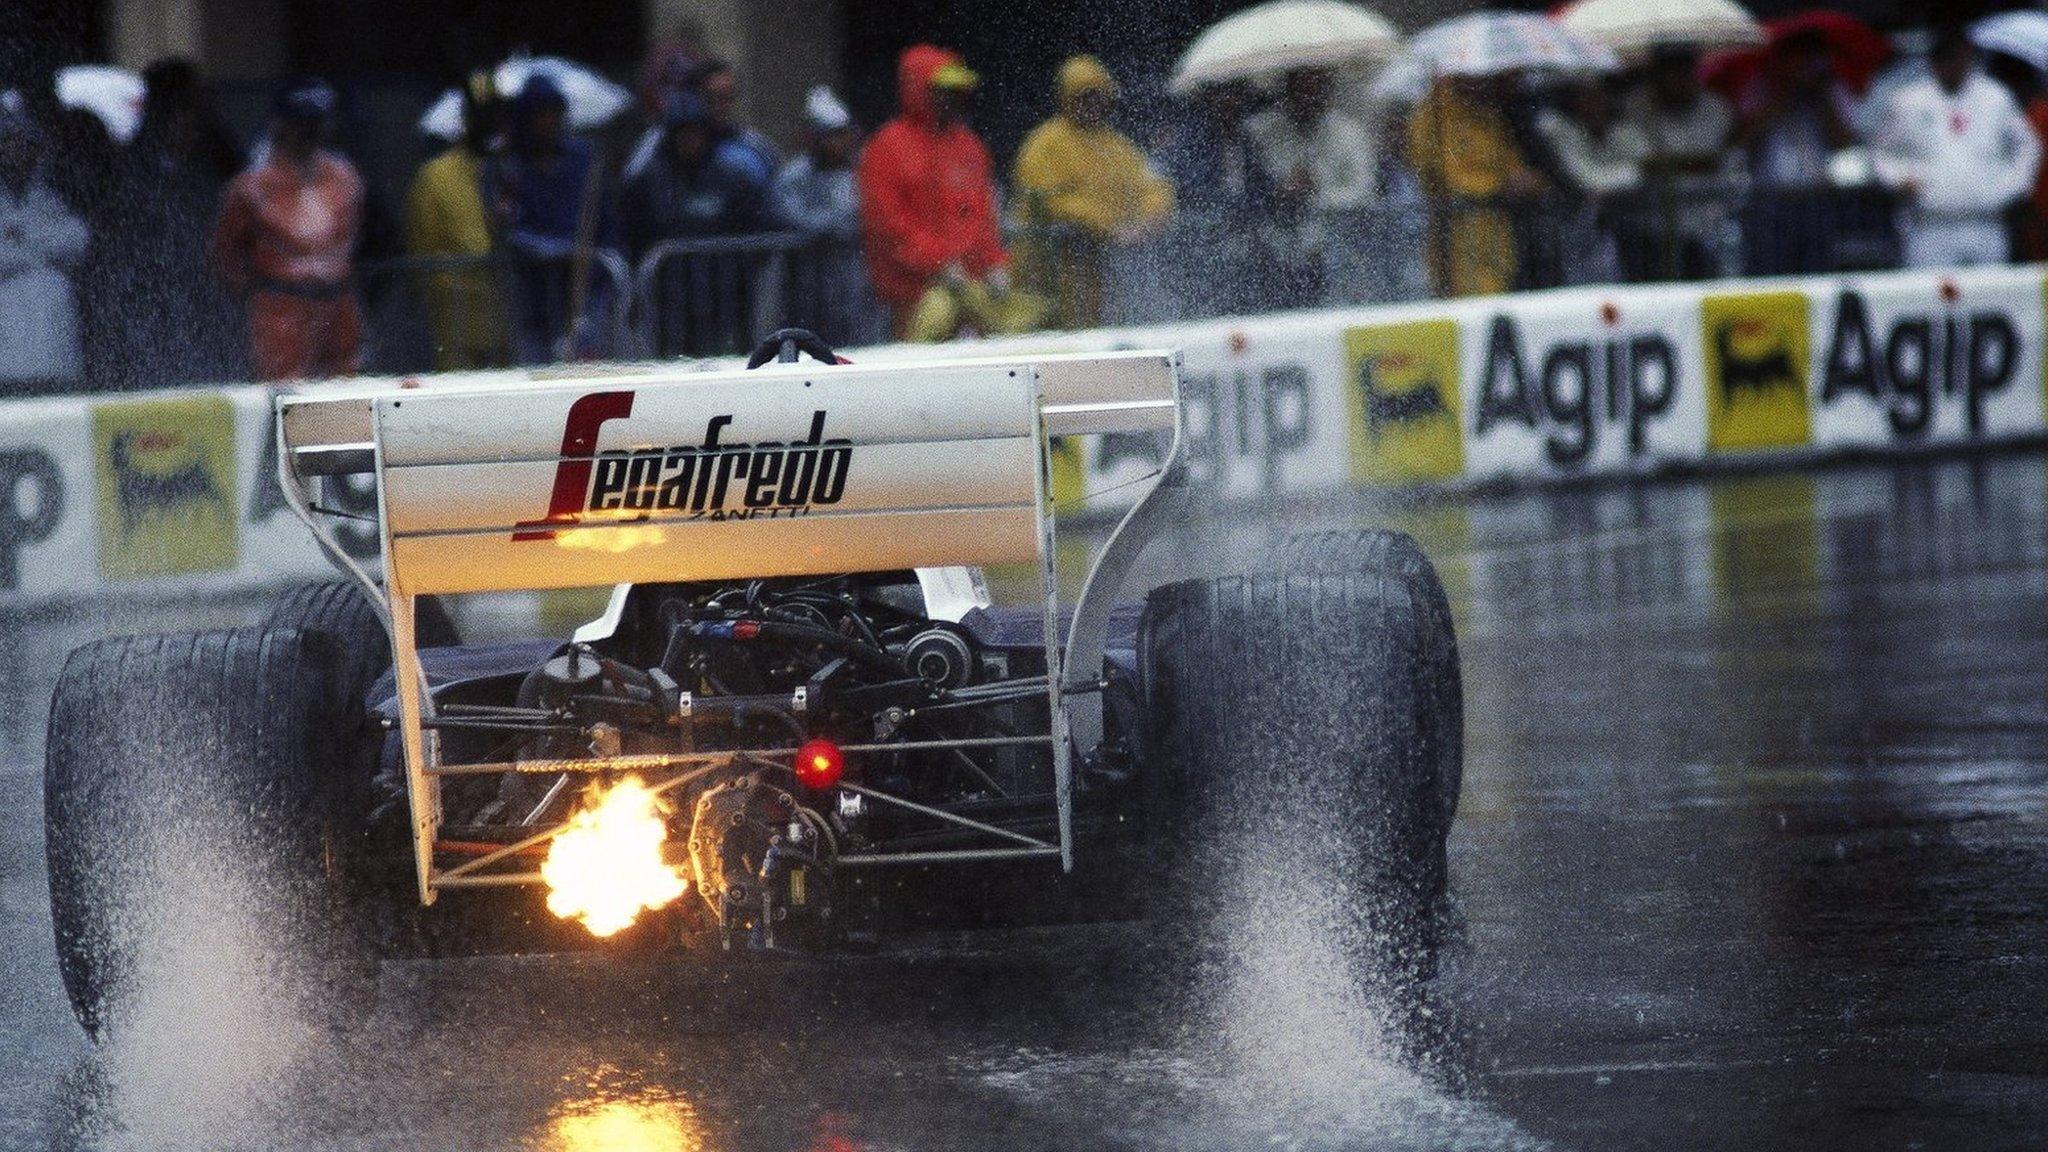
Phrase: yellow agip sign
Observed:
(1402, 393)
(1758, 348)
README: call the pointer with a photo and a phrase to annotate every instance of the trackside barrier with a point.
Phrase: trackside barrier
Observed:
(176, 491)
(428, 313)
(719, 295)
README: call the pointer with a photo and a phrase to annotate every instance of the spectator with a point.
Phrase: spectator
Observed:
(666, 68)
(83, 159)
(927, 203)
(445, 216)
(2030, 231)
(1083, 186)
(713, 81)
(1213, 165)
(1223, 194)
(1598, 157)
(42, 241)
(1464, 152)
(1794, 115)
(815, 194)
(285, 243)
(719, 85)
(175, 324)
(691, 187)
(1318, 161)
(1688, 168)
(550, 200)
(1957, 149)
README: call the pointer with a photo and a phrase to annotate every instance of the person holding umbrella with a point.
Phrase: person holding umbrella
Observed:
(1465, 152)
(1795, 114)
(549, 199)
(1318, 162)
(285, 242)
(446, 216)
(1688, 168)
(1957, 149)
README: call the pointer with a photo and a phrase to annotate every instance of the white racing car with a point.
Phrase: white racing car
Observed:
(799, 726)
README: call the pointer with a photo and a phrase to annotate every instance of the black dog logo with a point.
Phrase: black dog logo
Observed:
(141, 492)
(1425, 401)
(1751, 377)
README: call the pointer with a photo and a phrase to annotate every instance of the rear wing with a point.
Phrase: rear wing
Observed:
(678, 475)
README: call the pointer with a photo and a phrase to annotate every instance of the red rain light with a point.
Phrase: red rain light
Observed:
(819, 763)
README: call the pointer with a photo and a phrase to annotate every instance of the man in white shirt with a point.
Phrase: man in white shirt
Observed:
(1318, 161)
(1688, 169)
(1600, 157)
(42, 242)
(1959, 151)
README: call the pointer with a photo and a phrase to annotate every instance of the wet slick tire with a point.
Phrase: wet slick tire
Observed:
(1288, 781)
(1396, 555)
(342, 609)
(193, 820)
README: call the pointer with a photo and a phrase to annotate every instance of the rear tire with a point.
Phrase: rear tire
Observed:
(342, 609)
(202, 767)
(1397, 556)
(1287, 771)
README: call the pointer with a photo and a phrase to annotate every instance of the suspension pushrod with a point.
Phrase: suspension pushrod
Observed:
(949, 817)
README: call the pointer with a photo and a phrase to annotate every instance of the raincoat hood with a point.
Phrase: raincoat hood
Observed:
(1083, 74)
(914, 72)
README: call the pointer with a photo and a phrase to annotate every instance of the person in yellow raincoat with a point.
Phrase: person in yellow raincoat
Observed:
(446, 216)
(1081, 186)
(1461, 146)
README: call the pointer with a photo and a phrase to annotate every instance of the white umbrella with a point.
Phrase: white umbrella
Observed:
(1401, 84)
(1637, 26)
(2020, 34)
(1284, 35)
(593, 100)
(112, 94)
(1490, 43)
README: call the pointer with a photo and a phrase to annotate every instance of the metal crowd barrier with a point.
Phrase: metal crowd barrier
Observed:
(719, 295)
(445, 313)
(1671, 230)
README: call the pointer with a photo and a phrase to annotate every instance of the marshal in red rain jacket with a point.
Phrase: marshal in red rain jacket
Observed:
(926, 194)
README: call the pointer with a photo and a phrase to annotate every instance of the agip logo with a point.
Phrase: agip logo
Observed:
(1404, 401)
(1759, 355)
(166, 478)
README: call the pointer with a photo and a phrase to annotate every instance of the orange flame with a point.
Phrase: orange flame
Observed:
(607, 868)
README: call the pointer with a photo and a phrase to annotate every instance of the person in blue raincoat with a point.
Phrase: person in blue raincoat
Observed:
(549, 195)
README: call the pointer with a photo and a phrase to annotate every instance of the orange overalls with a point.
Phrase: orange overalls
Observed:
(286, 241)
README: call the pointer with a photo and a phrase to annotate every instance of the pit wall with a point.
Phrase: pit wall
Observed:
(175, 493)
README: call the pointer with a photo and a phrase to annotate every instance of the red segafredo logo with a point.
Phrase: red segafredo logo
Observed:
(714, 479)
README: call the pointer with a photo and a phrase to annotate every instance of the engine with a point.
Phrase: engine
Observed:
(832, 693)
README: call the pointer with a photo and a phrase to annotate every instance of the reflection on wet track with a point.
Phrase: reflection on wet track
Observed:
(1753, 853)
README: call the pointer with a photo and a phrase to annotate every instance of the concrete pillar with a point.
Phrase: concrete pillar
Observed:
(779, 47)
(140, 31)
(227, 38)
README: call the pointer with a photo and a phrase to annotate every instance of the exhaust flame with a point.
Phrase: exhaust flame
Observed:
(611, 538)
(607, 868)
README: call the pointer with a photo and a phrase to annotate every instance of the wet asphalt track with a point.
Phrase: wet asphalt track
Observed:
(1753, 854)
